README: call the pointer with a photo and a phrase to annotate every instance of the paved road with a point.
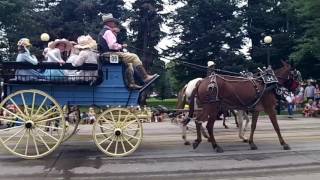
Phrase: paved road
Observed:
(163, 156)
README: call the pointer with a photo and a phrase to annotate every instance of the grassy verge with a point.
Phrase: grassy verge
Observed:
(169, 103)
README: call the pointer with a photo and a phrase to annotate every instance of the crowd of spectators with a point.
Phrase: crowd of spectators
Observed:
(307, 98)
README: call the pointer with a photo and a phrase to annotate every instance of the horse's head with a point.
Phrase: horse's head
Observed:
(287, 77)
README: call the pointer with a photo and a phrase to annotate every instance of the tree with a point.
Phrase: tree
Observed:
(268, 17)
(305, 15)
(208, 30)
(59, 18)
(146, 21)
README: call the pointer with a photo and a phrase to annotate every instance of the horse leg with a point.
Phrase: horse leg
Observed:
(246, 117)
(204, 133)
(210, 126)
(255, 116)
(224, 122)
(234, 113)
(198, 140)
(184, 134)
(241, 127)
(274, 121)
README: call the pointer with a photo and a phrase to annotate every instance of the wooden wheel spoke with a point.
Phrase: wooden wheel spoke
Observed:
(44, 115)
(8, 120)
(122, 144)
(44, 142)
(27, 144)
(125, 120)
(129, 123)
(107, 128)
(13, 114)
(34, 142)
(116, 148)
(46, 120)
(42, 103)
(106, 139)
(15, 147)
(18, 132)
(130, 136)
(48, 135)
(25, 105)
(33, 101)
(18, 108)
(110, 143)
(112, 117)
(8, 129)
(132, 129)
(132, 146)
(51, 127)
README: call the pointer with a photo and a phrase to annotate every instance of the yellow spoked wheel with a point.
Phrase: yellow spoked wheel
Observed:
(117, 132)
(34, 124)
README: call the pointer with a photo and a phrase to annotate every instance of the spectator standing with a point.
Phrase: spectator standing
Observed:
(309, 92)
(290, 101)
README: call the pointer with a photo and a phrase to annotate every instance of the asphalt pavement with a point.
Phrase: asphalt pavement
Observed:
(162, 155)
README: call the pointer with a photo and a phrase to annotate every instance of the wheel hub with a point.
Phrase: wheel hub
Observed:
(117, 132)
(29, 124)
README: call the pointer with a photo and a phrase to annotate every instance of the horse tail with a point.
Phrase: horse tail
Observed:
(192, 99)
(181, 98)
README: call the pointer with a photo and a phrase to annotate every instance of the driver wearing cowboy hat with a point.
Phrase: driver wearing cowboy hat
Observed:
(211, 66)
(107, 40)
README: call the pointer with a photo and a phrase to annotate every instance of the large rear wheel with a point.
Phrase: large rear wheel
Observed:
(34, 124)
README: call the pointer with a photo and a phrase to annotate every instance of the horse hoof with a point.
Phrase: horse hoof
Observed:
(226, 127)
(187, 143)
(245, 140)
(219, 149)
(195, 145)
(253, 147)
(209, 140)
(286, 147)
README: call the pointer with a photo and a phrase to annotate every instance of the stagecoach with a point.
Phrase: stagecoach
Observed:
(33, 123)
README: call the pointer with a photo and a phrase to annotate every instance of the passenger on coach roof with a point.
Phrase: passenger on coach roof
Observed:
(107, 40)
(54, 54)
(25, 56)
(87, 47)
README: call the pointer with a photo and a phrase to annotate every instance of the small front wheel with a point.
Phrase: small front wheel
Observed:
(117, 132)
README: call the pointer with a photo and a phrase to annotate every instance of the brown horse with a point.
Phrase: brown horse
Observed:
(237, 92)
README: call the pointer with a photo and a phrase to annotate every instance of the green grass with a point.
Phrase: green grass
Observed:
(169, 103)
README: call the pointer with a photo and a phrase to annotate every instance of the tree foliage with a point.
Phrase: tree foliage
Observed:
(208, 30)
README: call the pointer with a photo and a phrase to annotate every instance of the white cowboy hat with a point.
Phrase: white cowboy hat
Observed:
(86, 42)
(108, 17)
(53, 44)
(211, 63)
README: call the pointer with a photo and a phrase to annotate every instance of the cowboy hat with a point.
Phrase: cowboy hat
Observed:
(86, 42)
(24, 42)
(108, 17)
(211, 63)
(53, 44)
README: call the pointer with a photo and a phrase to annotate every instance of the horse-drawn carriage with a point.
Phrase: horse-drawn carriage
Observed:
(36, 125)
